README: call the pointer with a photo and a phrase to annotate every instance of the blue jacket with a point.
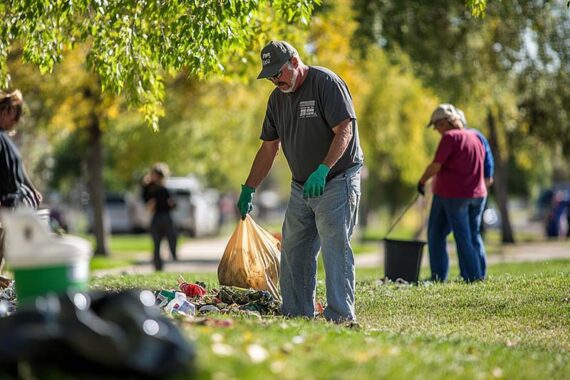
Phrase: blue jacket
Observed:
(489, 165)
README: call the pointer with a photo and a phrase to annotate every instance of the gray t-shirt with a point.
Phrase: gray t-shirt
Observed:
(303, 121)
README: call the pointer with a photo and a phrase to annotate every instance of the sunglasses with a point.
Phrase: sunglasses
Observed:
(276, 76)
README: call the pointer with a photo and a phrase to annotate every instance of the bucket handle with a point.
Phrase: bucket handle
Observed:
(410, 204)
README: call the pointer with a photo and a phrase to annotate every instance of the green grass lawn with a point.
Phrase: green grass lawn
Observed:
(514, 325)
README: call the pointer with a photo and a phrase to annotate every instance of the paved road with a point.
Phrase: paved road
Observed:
(203, 255)
(196, 255)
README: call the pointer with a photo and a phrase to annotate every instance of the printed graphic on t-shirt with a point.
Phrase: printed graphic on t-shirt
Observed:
(307, 109)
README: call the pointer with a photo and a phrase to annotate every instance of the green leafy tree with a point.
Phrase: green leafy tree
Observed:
(211, 125)
(69, 104)
(472, 62)
(211, 128)
(133, 43)
(131, 46)
(396, 143)
(544, 80)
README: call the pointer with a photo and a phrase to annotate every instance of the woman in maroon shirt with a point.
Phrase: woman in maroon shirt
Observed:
(458, 197)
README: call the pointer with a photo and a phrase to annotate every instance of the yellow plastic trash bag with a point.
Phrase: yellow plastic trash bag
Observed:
(251, 259)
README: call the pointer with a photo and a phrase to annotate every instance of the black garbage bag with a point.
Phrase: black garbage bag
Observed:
(96, 333)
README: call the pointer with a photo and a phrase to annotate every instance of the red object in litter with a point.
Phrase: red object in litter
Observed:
(319, 308)
(192, 290)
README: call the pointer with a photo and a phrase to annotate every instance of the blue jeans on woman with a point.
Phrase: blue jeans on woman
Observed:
(311, 224)
(463, 217)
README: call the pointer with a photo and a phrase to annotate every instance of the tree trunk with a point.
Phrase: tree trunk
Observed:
(96, 185)
(423, 208)
(500, 185)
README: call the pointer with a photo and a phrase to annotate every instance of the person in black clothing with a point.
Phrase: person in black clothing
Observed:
(159, 202)
(16, 189)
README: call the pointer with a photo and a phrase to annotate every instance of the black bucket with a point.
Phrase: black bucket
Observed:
(403, 259)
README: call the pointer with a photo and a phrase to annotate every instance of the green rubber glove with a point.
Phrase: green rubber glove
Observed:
(315, 184)
(245, 202)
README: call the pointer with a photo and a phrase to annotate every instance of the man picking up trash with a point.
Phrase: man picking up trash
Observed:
(311, 115)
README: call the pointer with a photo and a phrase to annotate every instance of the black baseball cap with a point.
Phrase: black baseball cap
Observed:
(273, 56)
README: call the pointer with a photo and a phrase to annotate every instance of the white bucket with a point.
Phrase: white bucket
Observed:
(43, 262)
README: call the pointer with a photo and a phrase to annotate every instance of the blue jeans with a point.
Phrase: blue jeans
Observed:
(463, 217)
(310, 224)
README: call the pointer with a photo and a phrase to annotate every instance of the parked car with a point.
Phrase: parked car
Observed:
(117, 216)
(139, 215)
(197, 210)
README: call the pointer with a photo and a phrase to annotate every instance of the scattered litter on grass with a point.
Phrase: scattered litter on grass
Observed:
(7, 300)
(194, 298)
(208, 308)
(180, 305)
(163, 297)
(5, 282)
(8, 292)
(197, 290)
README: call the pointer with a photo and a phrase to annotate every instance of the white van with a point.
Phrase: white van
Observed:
(197, 210)
(117, 214)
